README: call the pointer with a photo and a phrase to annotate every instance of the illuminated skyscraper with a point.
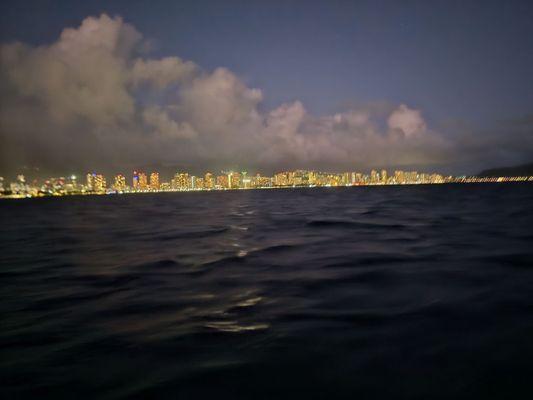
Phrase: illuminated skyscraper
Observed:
(383, 176)
(399, 177)
(246, 182)
(154, 181)
(374, 176)
(199, 183)
(135, 182)
(334, 180)
(281, 179)
(120, 183)
(90, 182)
(347, 178)
(222, 181)
(291, 176)
(181, 181)
(259, 181)
(298, 178)
(255, 181)
(71, 184)
(143, 181)
(311, 178)
(234, 180)
(98, 183)
(209, 182)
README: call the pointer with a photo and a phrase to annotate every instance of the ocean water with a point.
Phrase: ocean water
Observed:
(411, 292)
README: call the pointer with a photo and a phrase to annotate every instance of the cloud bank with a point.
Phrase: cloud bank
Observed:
(93, 100)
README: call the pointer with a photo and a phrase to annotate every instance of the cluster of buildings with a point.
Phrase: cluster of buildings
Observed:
(313, 178)
(139, 182)
(182, 181)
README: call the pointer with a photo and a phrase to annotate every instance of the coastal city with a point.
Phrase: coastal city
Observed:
(141, 182)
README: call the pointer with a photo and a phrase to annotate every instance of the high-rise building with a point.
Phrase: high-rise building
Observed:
(209, 182)
(222, 182)
(384, 176)
(154, 181)
(313, 178)
(181, 181)
(120, 183)
(143, 181)
(89, 182)
(71, 184)
(259, 181)
(96, 183)
(281, 179)
(333, 180)
(100, 183)
(374, 176)
(199, 183)
(347, 178)
(399, 177)
(234, 180)
(135, 182)
(246, 182)
(298, 178)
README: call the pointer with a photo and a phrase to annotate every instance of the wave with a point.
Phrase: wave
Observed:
(339, 223)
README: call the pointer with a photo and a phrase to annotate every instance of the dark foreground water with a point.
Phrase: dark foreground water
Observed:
(409, 292)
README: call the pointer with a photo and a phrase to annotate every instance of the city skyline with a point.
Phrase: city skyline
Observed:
(143, 182)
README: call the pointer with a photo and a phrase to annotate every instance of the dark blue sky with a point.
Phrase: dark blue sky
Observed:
(466, 60)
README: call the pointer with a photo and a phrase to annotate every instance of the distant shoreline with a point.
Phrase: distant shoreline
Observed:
(465, 181)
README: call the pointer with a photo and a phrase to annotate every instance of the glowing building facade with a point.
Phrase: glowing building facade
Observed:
(96, 183)
(154, 181)
(120, 183)
(209, 181)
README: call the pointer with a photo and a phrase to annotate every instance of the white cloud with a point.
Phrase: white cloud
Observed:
(163, 72)
(165, 126)
(80, 100)
(407, 120)
(219, 103)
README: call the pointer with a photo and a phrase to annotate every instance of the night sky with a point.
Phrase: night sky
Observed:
(338, 85)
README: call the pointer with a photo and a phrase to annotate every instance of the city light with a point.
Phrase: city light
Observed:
(96, 183)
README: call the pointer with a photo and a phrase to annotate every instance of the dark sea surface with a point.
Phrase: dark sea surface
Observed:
(409, 292)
